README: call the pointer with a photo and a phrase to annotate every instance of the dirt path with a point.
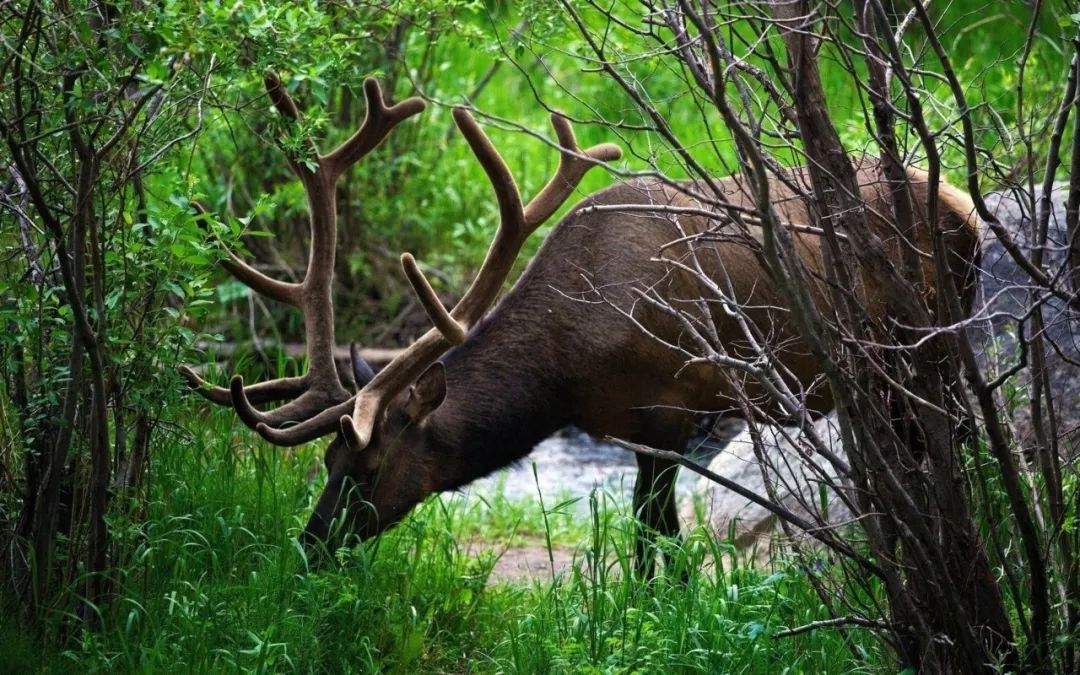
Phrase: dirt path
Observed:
(531, 562)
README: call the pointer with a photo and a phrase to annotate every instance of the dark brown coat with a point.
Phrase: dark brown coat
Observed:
(560, 348)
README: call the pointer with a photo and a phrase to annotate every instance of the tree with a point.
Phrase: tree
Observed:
(101, 270)
(921, 418)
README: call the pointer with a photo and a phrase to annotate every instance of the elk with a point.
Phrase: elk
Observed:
(569, 344)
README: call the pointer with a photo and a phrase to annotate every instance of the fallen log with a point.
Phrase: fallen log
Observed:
(376, 357)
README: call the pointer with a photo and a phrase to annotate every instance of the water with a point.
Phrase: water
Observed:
(571, 464)
(568, 464)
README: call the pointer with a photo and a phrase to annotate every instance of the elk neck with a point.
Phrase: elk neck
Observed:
(504, 395)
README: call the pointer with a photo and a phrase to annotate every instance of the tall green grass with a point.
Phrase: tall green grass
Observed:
(217, 583)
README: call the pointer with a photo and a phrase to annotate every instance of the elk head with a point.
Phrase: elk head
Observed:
(384, 459)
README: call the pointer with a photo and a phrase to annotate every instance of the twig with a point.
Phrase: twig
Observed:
(486, 78)
(295, 350)
(749, 216)
(836, 622)
(37, 274)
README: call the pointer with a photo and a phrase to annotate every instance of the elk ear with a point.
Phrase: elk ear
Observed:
(362, 372)
(428, 392)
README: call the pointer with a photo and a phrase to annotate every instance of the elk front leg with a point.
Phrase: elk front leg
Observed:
(654, 506)
(654, 491)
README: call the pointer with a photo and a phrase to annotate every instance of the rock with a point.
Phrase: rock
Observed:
(1004, 292)
(800, 484)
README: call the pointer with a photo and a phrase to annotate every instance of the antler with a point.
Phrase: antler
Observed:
(356, 417)
(515, 226)
(320, 388)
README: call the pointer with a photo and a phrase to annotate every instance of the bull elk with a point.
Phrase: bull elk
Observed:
(568, 345)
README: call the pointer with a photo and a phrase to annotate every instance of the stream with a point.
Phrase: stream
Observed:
(570, 464)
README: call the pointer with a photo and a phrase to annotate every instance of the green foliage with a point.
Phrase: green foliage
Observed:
(105, 271)
(216, 583)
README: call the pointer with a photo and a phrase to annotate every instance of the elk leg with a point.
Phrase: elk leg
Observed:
(654, 505)
(654, 491)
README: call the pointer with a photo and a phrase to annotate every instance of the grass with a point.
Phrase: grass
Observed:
(216, 583)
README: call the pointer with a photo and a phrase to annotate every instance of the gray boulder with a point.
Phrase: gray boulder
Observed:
(1004, 290)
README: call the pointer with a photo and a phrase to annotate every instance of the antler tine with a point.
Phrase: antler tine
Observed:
(282, 291)
(453, 331)
(261, 392)
(280, 98)
(205, 389)
(510, 235)
(326, 422)
(573, 165)
(310, 402)
(506, 192)
(290, 111)
(379, 120)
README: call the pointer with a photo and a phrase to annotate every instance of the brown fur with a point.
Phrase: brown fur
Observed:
(555, 351)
